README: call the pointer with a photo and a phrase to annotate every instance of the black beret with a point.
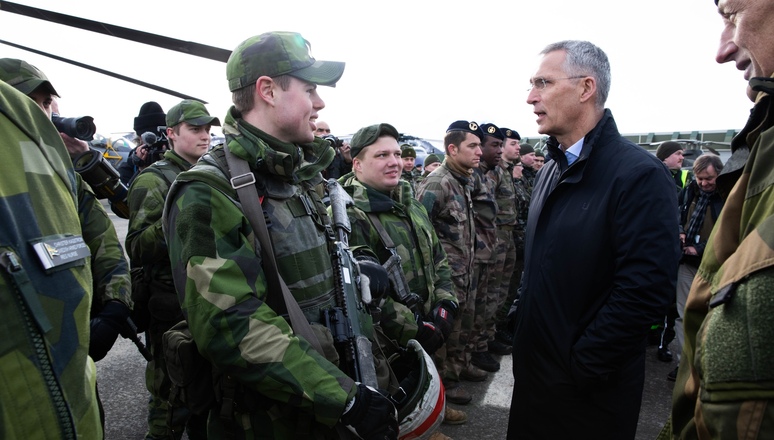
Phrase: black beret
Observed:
(510, 134)
(492, 130)
(470, 127)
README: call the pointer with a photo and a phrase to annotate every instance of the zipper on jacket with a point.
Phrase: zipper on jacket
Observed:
(19, 278)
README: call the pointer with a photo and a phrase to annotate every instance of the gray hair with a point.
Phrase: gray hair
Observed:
(584, 58)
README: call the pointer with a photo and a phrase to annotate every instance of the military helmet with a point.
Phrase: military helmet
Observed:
(421, 412)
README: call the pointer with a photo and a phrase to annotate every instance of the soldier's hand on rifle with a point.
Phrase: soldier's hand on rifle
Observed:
(429, 336)
(443, 317)
(370, 415)
(105, 328)
(379, 280)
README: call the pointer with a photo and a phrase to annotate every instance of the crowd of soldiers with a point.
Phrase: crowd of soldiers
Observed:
(279, 304)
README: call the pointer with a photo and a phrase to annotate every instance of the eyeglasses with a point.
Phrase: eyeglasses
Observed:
(541, 83)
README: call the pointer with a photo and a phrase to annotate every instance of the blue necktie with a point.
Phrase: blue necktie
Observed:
(570, 157)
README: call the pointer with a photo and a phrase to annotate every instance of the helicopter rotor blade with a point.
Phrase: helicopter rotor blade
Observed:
(188, 47)
(104, 72)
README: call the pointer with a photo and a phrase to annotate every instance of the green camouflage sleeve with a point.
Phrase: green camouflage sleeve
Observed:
(444, 289)
(145, 238)
(215, 263)
(109, 268)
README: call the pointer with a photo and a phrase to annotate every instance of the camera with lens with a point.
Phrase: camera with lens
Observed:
(155, 144)
(81, 127)
(336, 143)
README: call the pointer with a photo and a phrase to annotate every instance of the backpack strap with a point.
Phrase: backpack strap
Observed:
(243, 181)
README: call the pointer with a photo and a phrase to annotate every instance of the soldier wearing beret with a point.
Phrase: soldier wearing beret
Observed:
(447, 195)
(385, 204)
(284, 387)
(156, 305)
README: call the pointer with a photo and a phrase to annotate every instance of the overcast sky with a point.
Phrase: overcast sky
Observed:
(418, 64)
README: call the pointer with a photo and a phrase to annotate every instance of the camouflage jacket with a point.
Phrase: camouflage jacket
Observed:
(219, 276)
(528, 175)
(446, 195)
(47, 380)
(522, 196)
(422, 257)
(505, 195)
(728, 358)
(411, 178)
(145, 241)
(486, 181)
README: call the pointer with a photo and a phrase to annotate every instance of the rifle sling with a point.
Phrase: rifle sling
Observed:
(243, 181)
(386, 239)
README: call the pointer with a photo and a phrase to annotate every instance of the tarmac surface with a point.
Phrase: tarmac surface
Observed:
(121, 384)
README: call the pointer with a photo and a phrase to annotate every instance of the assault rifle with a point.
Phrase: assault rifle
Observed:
(349, 322)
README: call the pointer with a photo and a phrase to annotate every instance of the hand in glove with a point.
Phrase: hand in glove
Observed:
(105, 328)
(370, 415)
(378, 278)
(429, 336)
(443, 317)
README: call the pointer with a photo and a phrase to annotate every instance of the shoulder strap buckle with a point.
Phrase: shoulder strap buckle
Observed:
(242, 180)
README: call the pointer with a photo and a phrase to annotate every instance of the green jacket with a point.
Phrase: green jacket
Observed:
(217, 270)
(486, 181)
(47, 380)
(145, 241)
(422, 257)
(727, 369)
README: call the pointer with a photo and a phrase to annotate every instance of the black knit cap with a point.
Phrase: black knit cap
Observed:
(525, 149)
(667, 149)
(492, 130)
(150, 118)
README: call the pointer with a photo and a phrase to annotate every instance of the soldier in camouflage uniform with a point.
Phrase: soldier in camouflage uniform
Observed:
(725, 383)
(527, 156)
(285, 388)
(188, 130)
(446, 195)
(390, 202)
(409, 156)
(385, 204)
(507, 218)
(47, 381)
(111, 303)
(521, 198)
(486, 181)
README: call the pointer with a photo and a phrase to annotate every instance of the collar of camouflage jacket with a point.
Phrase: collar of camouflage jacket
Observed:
(268, 154)
(368, 199)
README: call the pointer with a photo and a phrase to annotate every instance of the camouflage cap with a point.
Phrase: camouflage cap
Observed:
(192, 112)
(25, 77)
(368, 135)
(510, 134)
(279, 53)
(492, 130)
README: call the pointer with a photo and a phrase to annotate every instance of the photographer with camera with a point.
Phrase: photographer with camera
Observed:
(111, 301)
(342, 161)
(150, 127)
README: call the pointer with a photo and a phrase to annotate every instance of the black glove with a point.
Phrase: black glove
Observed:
(370, 415)
(105, 328)
(443, 317)
(429, 336)
(378, 278)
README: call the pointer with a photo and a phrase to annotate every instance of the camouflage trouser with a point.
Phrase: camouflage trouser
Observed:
(500, 275)
(452, 357)
(484, 305)
(501, 317)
